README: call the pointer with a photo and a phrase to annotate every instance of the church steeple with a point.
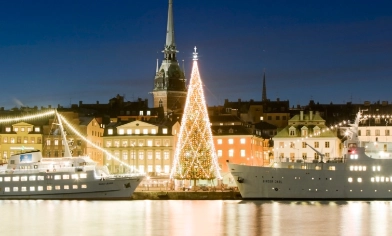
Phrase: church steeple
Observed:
(170, 47)
(169, 83)
(264, 95)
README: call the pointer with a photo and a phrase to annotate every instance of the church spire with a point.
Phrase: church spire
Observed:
(264, 95)
(170, 47)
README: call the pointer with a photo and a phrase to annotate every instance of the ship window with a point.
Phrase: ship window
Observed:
(15, 189)
(1, 179)
(331, 168)
(57, 187)
(351, 168)
(65, 176)
(386, 179)
(32, 177)
(15, 178)
(7, 179)
(40, 177)
(6, 189)
(40, 188)
(23, 178)
(74, 176)
(83, 176)
(49, 187)
(350, 179)
(32, 188)
(372, 179)
(23, 189)
(84, 186)
(382, 179)
(74, 186)
(66, 186)
(359, 180)
(57, 177)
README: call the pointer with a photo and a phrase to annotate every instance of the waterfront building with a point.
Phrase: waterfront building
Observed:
(141, 147)
(169, 83)
(19, 137)
(304, 133)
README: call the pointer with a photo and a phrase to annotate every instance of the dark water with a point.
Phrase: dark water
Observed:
(202, 218)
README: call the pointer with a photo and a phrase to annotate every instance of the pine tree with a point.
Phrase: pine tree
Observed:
(195, 156)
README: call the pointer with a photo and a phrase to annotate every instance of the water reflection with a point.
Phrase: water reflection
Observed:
(200, 218)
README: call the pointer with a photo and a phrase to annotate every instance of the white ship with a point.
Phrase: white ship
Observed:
(354, 176)
(30, 176)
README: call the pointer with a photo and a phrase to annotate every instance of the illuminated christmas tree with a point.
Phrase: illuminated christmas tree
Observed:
(195, 156)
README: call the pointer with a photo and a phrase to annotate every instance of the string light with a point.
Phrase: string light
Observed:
(27, 117)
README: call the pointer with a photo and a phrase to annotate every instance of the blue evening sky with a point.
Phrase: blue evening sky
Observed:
(63, 52)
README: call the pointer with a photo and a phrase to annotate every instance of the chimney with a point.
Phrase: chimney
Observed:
(301, 115)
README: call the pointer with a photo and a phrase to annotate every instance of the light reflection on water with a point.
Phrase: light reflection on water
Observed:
(202, 218)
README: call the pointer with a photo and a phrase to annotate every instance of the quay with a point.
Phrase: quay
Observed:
(185, 195)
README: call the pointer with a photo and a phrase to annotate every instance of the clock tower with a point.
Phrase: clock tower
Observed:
(170, 84)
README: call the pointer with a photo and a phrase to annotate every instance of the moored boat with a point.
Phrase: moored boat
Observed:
(353, 176)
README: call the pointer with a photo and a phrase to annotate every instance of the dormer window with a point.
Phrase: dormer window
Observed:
(304, 131)
(316, 130)
(292, 131)
(110, 131)
(140, 113)
(8, 129)
(231, 131)
(164, 130)
(37, 129)
(219, 131)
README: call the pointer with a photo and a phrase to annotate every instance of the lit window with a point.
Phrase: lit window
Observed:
(40, 188)
(149, 113)
(37, 129)
(153, 131)
(57, 177)
(121, 131)
(7, 179)
(40, 177)
(66, 186)
(231, 153)
(23, 178)
(83, 176)
(164, 130)
(231, 141)
(382, 179)
(140, 113)
(57, 187)
(6, 189)
(219, 141)
(56, 142)
(65, 176)
(219, 153)
(23, 189)
(377, 179)
(110, 131)
(15, 189)
(242, 141)
(350, 180)
(8, 129)
(129, 131)
(145, 131)
(75, 176)
(351, 168)
(84, 186)
(16, 129)
(15, 178)
(149, 143)
(372, 179)
(242, 153)
(32, 188)
(74, 186)
(137, 131)
(48, 187)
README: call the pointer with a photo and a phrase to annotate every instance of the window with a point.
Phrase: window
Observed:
(231, 153)
(83, 176)
(367, 132)
(231, 141)
(16, 129)
(141, 155)
(327, 144)
(140, 113)
(129, 131)
(158, 155)
(243, 153)
(124, 143)
(32, 188)
(153, 131)
(166, 155)
(387, 132)
(56, 142)
(303, 144)
(316, 144)
(32, 178)
(149, 155)
(219, 153)
(37, 129)
(121, 131)
(137, 131)
(49, 187)
(108, 143)
(269, 117)
(164, 130)
(110, 131)
(242, 141)
(219, 141)
(277, 117)
(8, 129)
(377, 132)
(149, 143)
(145, 131)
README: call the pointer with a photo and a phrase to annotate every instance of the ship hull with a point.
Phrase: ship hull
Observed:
(255, 182)
(97, 189)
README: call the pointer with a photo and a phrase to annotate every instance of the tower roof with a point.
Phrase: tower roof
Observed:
(170, 46)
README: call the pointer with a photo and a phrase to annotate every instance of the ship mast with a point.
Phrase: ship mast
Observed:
(67, 151)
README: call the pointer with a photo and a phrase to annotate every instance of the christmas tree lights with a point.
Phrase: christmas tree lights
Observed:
(195, 156)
